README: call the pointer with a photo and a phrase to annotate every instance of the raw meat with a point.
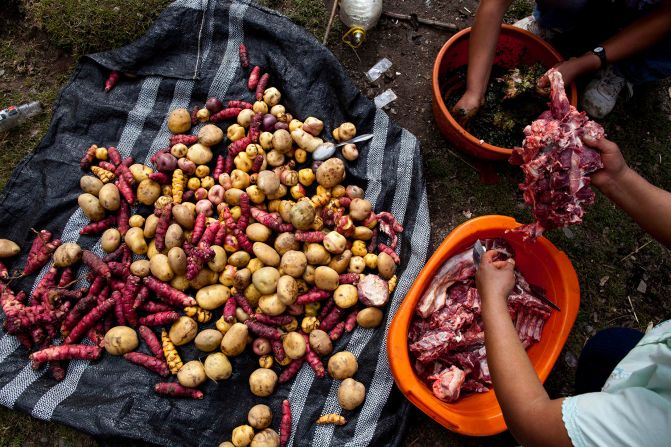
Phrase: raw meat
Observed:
(556, 163)
(446, 336)
(447, 384)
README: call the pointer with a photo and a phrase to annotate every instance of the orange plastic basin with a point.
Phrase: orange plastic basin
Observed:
(542, 264)
(515, 47)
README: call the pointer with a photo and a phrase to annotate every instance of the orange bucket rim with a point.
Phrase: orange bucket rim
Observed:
(441, 103)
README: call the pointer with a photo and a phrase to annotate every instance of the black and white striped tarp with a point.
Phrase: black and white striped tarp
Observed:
(189, 54)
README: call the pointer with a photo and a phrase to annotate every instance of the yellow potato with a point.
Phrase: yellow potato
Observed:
(91, 207)
(109, 197)
(140, 268)
(160, 267)
(234, 340)
(183, 330)
(212, 297)
(134, 238)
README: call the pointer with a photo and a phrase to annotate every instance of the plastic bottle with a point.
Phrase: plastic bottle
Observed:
(359, 16)
(13, 116)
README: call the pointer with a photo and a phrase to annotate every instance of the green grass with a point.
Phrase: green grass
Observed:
(21, 430)
(84, 26)
(310, 14)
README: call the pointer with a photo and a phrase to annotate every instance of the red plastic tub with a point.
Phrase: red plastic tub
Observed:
(516, 47)
(542, 264)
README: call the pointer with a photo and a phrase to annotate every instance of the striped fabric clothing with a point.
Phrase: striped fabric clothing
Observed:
(190, 54)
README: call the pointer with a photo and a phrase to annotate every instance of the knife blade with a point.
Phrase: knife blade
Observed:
(478, 251)
(359, 139)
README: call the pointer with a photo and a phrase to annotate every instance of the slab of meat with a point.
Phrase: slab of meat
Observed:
(446, 336)
(556, 163)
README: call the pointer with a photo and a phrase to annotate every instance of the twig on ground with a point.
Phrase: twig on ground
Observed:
(413, 18)
(633, 310)
(328, 26)
(637, 250)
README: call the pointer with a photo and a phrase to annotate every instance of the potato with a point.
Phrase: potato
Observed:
(266, 254)
(345, 296)
(331, 172)
(148, 191)
(340, 262)
(351, 394)
(271, 305)
(262, 382)
(179, 120)
(268, 182)
(242, 279)
(211, 297)
(217, 367)
(183, 330)
(258, 232)
(260, 416)
(294, 345)
(265, 280)
(134, 238)
(183, 216)
(317, 255)
(359, 209)
(305, 141)
(342, 365)
(326, 278)
(91, 207)
(67, 254)
(160, 267)
(284, 208)
(180, 282)
(266, 438)
(282, 141)
(209, 135)
(234, 340)
(362, 233)
(199, 154)
(369, 317)
(287, 290)
(373, 291)
(218, 263)
(177, 260)
(242, 316)
(151, 249)
(109, 197)
(150, 225)
(242, 436)
(174, 236)
(303, 215)
(252, 294)
(239, 259)
(320, 342)
(191, 374)
(386, 266)
(208, 340)
(120, 340)
(335, 242)
(90, 184)
(205, 277)
(140, 268)
(309, 275)
(222, 325)
(293, 263)
(285, 242)
(136, 221)
(140, 172)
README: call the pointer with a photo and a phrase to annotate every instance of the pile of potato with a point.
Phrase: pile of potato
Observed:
(295, 190)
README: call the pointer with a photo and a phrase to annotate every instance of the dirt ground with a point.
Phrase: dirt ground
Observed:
(624, 274)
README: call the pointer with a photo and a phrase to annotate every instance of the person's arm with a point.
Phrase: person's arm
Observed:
(532, 417)
(648, 205)
(481, 49)
(636, 37)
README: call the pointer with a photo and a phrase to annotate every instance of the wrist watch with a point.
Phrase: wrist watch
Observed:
(601, 53)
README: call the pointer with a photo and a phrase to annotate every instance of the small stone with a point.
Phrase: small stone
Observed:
(642, 287)
(570, 359)
(603, 280)
(568, 233)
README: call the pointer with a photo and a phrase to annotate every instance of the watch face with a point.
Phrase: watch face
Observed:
(598, 49)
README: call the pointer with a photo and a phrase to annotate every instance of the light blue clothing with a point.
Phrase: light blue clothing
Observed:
(585, 16)
(634, 406)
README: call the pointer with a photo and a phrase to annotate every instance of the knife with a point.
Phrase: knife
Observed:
(478, 251)
(359, 139)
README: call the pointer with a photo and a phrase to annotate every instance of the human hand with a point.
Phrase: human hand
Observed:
(614, 165)
(571, 70)
(495, 279)
(467, 107)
